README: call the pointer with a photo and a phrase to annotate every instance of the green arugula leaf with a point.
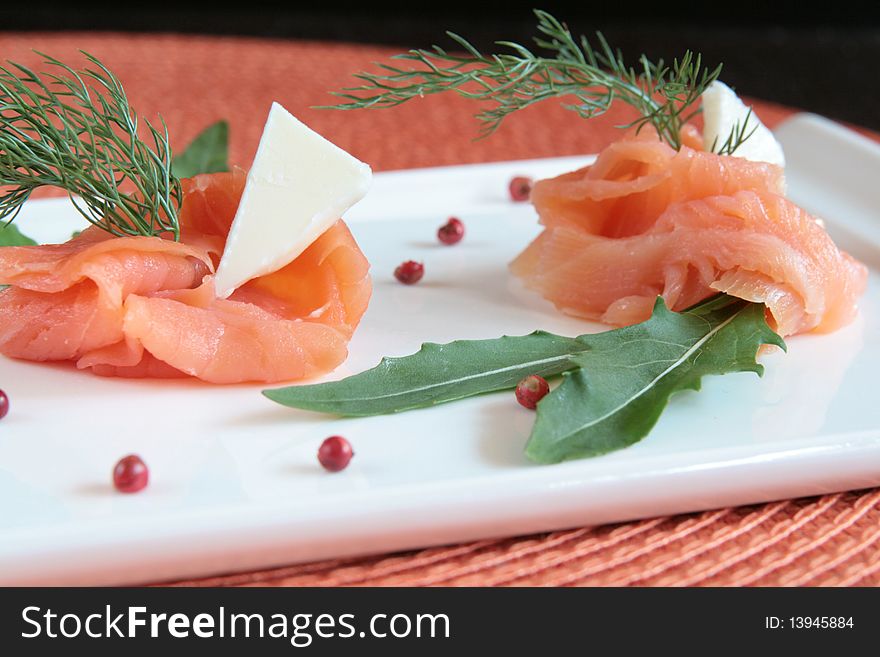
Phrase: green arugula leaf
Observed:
(624, 381)
(208, 152)
(616, 384)
(11, 236)
(437, 373)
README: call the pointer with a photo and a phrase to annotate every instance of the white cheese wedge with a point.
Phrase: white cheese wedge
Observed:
(722, 111)
(298, 186)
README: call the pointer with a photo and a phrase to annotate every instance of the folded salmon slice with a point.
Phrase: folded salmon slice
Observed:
(145, 306)
(645, 220)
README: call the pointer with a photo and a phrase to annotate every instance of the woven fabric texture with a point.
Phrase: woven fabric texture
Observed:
(831, 540)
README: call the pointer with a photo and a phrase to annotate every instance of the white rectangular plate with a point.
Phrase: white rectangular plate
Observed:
(235, 482)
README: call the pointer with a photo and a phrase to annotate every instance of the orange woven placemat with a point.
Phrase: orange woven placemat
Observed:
(831, 540)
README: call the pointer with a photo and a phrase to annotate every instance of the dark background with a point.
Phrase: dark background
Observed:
(824, 57)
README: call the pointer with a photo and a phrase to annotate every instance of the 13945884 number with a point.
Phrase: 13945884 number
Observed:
(820, 622)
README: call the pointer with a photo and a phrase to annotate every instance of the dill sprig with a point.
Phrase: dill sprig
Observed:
(664, 95)
(741, 131)
(76, 130)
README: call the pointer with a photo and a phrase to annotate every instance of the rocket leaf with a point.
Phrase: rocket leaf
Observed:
(616, 384)
(624, 381)
(207, 153)
(11, 236)
(437, 373)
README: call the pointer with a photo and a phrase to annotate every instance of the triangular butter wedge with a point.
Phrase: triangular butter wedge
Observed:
(722, 111)
(298, 186)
